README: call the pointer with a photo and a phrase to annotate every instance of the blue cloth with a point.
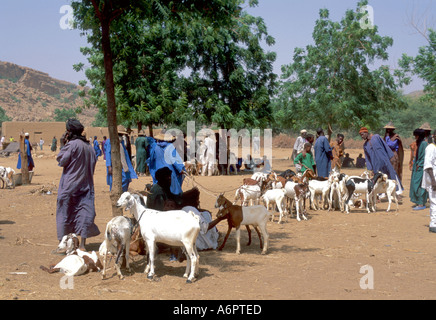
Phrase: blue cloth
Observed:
(394, 145)
(30, 163)
(323, 155)
(75, 208)
(127, 176)
(97, 148)
(378, 155)
(163, 154)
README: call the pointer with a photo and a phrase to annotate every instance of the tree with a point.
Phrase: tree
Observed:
(3, 116)
(62, 115)
(423, 65)
(330, 84)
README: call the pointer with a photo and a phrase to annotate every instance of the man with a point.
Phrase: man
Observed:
(28, 150)
(418, 194)
(54, 144)
(97, 147)
(378, 156)
(360, 162)
(127, 172)
(210, 156)
(394, 142)
(75, 211)
(141, 153)
(323, 154)
(338, 150)
(304, 160)
(429, 180)
(299, 144)
(348, 162)
(426, 126)
(41, 143)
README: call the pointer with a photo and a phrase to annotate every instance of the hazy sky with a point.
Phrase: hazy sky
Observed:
(31, 34)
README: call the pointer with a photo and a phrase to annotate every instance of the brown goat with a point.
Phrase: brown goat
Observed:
(258, 218)
(301, 194)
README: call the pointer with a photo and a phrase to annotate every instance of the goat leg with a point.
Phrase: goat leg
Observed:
(260, 237)
(249, 234)
(226, 237)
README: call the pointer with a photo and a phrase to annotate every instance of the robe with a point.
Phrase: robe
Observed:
(75, 211)
(97, 148)
(127, 173)
(417, 193)
(378, 158)
(163, 154)
(323, 155)
(141, 154)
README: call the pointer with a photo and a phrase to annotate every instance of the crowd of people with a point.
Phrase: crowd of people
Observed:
(159, 157)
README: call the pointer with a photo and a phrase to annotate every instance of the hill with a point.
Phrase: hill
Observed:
(30, 95)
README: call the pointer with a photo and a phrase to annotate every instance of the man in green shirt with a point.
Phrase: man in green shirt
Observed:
(304, 160)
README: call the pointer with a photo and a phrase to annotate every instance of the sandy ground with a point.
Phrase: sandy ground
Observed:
(322, 258)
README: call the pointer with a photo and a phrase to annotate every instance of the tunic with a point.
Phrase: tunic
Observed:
(141, 154)
(97, 148)
(30, 163)
(323, 154)
(307, 161)
(430, 162)
(378, 155)
(75, 211)
(418, 194)
(54, 144)
(338, 152)
(127, 172)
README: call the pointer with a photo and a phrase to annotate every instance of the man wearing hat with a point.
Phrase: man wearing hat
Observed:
(394, 142)
(426, 127)
(429, 180)
(28, 149)
(75, 210)
(378, 156)
(299, 144)
(128, 172)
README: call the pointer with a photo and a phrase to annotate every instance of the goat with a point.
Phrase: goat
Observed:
(388, 186)
(362, 186)
(302, 192)
(174, 228)
(7, 177)
(68, 244)
(117, 241)
(257, 216)
(338, 190)
(319, 187)
(277, 196)
(248, 192)
(288, 173)
(76, 264)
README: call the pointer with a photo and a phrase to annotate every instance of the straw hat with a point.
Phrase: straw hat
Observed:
(121, 130)
(164, 137)
(390, 125)
(303, 131)
(425, 126)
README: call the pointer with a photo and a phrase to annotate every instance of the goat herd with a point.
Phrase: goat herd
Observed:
(181, 228)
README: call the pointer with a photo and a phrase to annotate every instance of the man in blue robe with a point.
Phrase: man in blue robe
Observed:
(97, 147)
(164, 154)
(75, 210)
(128, 172)
(28, 148)
(323, 154)
(378, 156)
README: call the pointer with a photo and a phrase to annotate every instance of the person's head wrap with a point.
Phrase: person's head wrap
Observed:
(363, 129)
(74, 126)
(162, 173)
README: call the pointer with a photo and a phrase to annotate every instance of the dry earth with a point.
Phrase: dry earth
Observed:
(316, 259)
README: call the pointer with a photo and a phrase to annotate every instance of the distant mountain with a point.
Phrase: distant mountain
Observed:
(31, 95)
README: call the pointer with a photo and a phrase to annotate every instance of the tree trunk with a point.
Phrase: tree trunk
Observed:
(111, 115)
(24, 167)
(329, 132)
(150, 129)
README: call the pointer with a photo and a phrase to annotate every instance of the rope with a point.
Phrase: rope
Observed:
(206, 190)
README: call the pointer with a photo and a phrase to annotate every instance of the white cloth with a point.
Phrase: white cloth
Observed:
(299, 144)
(206, 239)
(430, 162)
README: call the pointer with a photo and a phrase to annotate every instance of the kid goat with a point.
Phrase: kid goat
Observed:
(175, 228)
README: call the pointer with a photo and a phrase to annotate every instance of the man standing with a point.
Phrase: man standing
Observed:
(28, 150)
(210, 156)
(141, 153)
(378, 156)
(426, 127)
(299, 144)
(394, 142)
(96, 147)
(54, 144)
(323, 154)
(127, 172)
(429, 180)
(338, 150)
(75, 211)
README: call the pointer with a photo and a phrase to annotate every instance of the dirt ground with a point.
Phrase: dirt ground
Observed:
(322, 258)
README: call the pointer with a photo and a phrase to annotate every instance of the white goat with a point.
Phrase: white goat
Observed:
(246, 193)
(68, 244)
(275, 196)
(338, 190)
(117, 241)
(174, 228)
(387, 186)
(364, 187)
(322, 188)
(76, 264)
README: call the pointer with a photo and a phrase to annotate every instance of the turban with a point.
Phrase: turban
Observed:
(363, 129)
(74, 126)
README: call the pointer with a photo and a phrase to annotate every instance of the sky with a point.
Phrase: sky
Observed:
(33, 33)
